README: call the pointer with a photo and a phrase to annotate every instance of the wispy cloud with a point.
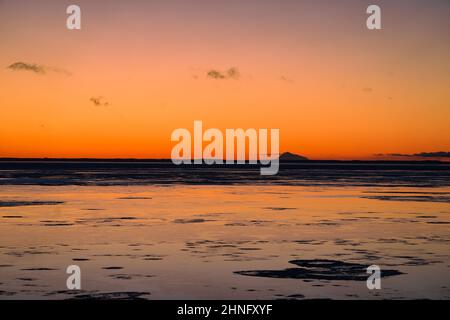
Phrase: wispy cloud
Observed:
(286, 79)
(36, 68)
(215, 74)
(232, 73)
(99, 101)
(17, 66)
(438, 154)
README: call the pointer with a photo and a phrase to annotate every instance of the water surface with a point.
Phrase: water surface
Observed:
(156, 233)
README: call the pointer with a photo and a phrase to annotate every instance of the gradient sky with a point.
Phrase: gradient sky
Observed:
(309, 68)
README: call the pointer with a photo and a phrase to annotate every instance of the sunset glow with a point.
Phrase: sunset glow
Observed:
(334, 89)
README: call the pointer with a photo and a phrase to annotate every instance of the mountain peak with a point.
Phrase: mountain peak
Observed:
(288, 156)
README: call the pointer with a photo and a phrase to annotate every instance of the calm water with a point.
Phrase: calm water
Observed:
(157, 232)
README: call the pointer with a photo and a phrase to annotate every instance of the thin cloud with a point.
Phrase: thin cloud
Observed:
(18, 66)
(286, 79)
(215, 74)
(231, 73)
(36, 68)
(59, 70)
(99, 101)
(438, 154)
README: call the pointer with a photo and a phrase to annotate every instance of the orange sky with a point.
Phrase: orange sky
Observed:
(309, 68)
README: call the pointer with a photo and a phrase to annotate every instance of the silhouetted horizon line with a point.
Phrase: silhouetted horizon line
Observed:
(87, 159)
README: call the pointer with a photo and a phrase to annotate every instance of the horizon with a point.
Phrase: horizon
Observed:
(434, 160)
